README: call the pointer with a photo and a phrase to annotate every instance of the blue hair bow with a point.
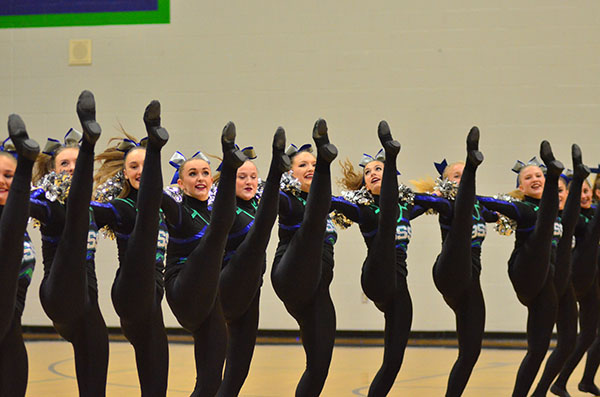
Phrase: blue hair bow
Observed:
(519, 165)
(367, 158)
(441, 166)
(71, 137)
(293, 150)
(8, 146)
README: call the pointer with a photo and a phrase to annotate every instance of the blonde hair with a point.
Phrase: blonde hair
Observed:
(449, 166)
(113, 161)
(425, 185)
(9, 155)
(352, 179)
(44, 164)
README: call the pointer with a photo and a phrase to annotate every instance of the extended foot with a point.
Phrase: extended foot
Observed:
(589, 388)
(474, 156)
(580, 170)
(157, 135)
(559, 390)
(390, 146)
(554, 166)
(324, 149)
(231, 156)
(86, 111)
(25, 147)
(279, 150)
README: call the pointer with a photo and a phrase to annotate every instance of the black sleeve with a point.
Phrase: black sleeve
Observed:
(350, 210)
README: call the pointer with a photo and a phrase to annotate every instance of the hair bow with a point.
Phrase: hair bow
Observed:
(519, 165)
(367, 158)
(441, 166)
(72, 137)
(8, 146)
(248, 152)
(567, 175)
(293, 150)
(127, 144)
(595, 170)
(177, 160)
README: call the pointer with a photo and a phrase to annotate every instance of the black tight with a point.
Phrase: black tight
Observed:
(240, 283)
(378, 277)
(589, 308)
(193, 293)
(135, 293)
(454, 276)
(298, 279)
(532, 281)
(241, 340)
(64, 292)
(398, 319)
(13, 360)
(587, 292)
(566, 319)
(13, 224)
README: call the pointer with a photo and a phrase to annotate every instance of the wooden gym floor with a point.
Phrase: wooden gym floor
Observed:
(276, 369)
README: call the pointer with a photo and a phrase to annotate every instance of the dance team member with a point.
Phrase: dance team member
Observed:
(303, 264)
(134, 218)
(569, 190)
(585, 285)
(18, 258)
(197, 239)
(529, 266)
(457, 269)
(245, 261)
(384, 220)
(69, 289)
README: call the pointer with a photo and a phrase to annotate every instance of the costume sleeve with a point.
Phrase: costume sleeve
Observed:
(350, 210)
(508, 208)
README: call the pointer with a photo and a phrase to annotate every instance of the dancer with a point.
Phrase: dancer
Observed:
(529, 265)
(585, 286)
(303, 265)
(134, 218)
(373, 202)
(69, 290)
(457, 268)
(566, 319)
(197, 238)
(245, 262)
(18, 258)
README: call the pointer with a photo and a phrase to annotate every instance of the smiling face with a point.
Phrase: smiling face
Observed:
(531, 181)
(8, 165)
(134, 165)
(562, 193)
(586, 195)
(372, 174)
(65, 160)
(195, 179)
(246, 182)
(303, 169)
(454, 172)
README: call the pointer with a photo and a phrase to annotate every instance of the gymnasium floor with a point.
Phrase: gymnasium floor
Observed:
(276, 369)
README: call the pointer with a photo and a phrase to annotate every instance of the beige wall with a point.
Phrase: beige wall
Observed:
(522, 73)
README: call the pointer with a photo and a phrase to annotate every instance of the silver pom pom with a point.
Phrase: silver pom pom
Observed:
(405, 194)
(110, 189)
(259, 189)
(504, 225)
(446, 188)
(361, 196)
(56, 186)
(175, 192)
(290, 184)
(212, 193)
